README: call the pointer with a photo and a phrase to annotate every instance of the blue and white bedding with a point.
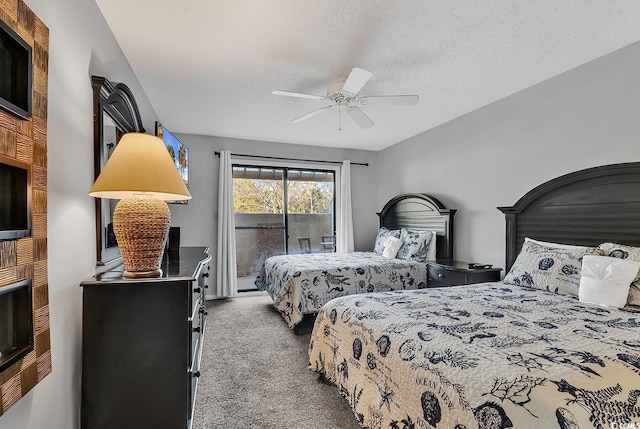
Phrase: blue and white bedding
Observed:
(488, 355)
(301, 284)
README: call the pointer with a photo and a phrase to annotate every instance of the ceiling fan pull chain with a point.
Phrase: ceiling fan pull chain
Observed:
(339, 122)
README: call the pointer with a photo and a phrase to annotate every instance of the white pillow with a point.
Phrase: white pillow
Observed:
(629, 253)
(556, 245)
(605, 280)
(431, 250)
(391, 247)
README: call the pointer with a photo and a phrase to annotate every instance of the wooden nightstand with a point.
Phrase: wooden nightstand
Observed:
(448, 272)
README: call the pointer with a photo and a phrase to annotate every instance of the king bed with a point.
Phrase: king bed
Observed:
(301, 284)
(534, 350)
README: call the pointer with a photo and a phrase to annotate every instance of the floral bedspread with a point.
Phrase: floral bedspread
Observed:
(301, 284)
(489, 355)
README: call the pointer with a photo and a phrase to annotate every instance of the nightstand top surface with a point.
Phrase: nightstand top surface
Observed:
(454, 264)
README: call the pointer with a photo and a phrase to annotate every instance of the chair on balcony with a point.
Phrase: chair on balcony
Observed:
(328, 243)
(305, 244)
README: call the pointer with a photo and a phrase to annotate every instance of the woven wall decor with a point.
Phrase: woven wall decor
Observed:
(26, 258)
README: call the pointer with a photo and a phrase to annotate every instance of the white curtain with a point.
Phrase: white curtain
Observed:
(344, 222)
(227, 282)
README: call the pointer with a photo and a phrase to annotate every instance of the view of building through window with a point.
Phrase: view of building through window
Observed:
(280, 210)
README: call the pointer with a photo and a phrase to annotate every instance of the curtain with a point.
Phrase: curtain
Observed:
(227, 282)
(344, 221)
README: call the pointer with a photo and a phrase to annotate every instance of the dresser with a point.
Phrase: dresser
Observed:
(449, 272)
(142, 343)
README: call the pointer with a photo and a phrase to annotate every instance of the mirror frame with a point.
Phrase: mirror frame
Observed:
(118, 102)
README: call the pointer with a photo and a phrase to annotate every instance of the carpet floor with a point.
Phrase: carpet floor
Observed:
(254, 373)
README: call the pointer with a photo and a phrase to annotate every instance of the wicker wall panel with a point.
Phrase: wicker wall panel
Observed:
(26, 258)
(8, 142)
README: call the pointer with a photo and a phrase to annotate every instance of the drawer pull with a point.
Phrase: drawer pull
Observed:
(205, 274)
(197, 290)
(203, 311)
(196, 329)
(196, 374)
(440, 275)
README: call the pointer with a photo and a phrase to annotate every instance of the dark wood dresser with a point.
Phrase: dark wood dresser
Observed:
(141, 345)
(449, 272)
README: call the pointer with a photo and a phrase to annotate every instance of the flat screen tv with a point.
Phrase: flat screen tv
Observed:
(179, 153)
(15, 72)
(15, 199)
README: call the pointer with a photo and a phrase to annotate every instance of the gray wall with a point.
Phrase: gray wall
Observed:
(80, 44)
(491, 157)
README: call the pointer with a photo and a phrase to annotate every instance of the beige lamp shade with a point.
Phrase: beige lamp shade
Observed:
(141, 174)
(140, 163)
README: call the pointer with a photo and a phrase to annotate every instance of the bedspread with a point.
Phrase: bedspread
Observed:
(301, 284)
(480, 356)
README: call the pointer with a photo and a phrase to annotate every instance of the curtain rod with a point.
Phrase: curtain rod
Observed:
(366, 164)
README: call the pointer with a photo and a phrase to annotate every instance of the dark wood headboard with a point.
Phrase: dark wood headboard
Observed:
(587, 207)
(421, 212)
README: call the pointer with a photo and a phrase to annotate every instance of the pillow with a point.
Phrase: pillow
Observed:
(383, 234)
(414, 244)
(431, 250)
(391, 247)
(625, 252)
(606, 280)
(556, 245)
(549, 268)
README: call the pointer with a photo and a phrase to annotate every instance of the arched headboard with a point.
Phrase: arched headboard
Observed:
(421, 212)
(587, 207)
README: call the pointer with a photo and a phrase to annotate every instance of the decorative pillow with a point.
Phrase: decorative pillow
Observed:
(383, 234)
(625, 252)
(549, 268)
(606, 280)
(391, 247)
(414, 244)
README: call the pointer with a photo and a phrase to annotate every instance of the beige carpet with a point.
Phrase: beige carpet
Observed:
(254, 373)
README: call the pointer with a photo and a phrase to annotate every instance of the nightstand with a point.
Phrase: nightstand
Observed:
(449, 272)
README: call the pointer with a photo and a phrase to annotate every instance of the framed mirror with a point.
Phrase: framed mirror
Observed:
(115, 113)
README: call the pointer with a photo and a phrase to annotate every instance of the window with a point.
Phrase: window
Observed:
(280, 210)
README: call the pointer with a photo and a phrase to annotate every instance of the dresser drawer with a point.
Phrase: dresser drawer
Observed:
(440, 276)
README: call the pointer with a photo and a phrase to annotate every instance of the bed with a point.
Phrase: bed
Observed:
(300, 284)
(524, 352)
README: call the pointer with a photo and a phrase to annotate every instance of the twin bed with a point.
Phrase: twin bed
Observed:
(302, 284)
(524, 352)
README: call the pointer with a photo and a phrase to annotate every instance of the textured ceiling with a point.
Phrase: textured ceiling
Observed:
(209, 66)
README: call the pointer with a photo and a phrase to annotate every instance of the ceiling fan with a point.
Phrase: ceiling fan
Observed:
(345, 93)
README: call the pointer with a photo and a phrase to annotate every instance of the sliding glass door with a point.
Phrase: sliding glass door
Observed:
(280, 210)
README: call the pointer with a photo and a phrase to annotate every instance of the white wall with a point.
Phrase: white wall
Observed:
(198, 219)
(81, 44)
(491, 157)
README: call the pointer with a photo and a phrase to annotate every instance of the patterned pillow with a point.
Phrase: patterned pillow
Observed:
(383, 234)
(625, 252)
(549, 268)
(414, 244)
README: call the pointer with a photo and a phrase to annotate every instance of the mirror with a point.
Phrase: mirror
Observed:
(115, 113)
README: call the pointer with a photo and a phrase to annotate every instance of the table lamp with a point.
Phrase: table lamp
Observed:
(142, 175)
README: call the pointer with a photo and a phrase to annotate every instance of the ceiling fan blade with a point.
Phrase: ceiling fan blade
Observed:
(400, 100)
(359, 117)
(311, 114)
(298, 94)
(356, 80)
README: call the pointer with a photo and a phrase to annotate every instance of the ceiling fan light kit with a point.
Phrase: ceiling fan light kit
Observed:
(343, 93)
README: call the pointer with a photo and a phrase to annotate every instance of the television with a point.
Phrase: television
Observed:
(179, 153)
(15, 72)
(15, 199)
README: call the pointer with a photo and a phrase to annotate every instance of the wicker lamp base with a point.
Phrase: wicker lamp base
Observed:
(141, 224)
